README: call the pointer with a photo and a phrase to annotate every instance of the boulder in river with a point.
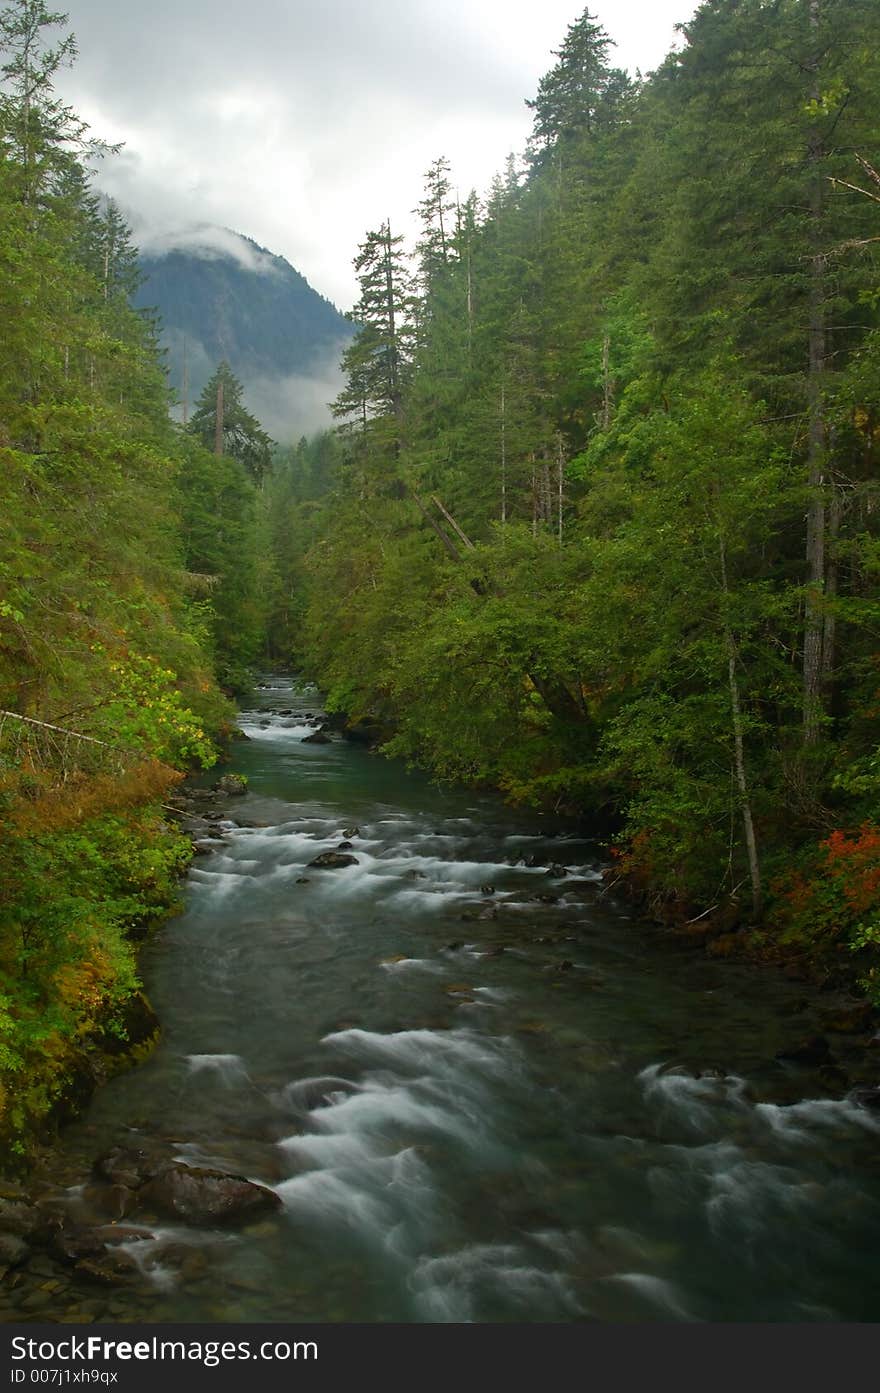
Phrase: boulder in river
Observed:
(196, 1195)
(317, 738)
(129, 1166)
(13, 1251)
(333, 860)
(365, 730)
(232, 784)
(867, 1098)
(849, 1018)
(18, 1217)
(75, 1245)
(813, 1051)
(109, 1269)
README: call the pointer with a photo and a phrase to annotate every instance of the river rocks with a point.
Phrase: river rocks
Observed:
(128, 1166)
(318, 737)
(114, 1234)
(814, 1051)
(476, 913)
(366, 730)
(849, 1018)
(487, 889)
(345, 846)
(13, 1251)
(19, 1218)
(109, 1269)
(867, 1098)
(234, 784)
(414, 875)
(834, 1079)
(351, 831)
(196, 1195)
(110, 1201)
(72, 1245)
(333, 860)
(461, 992)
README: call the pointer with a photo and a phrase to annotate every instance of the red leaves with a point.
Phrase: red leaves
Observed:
(853, 862)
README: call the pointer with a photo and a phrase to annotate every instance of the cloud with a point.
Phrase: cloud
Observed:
(304, 125)
(290, 407)
(287, 406)
(202, 240)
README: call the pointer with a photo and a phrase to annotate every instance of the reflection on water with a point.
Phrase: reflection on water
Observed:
(480, 1091)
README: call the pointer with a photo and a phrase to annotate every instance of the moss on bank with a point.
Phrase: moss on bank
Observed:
(77, 897)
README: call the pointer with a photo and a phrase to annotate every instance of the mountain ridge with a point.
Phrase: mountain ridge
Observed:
(219, 295)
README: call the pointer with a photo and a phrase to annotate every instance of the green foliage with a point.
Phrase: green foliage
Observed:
(564, 551)
(146, 712)
(226, 551)
(242, 437)
(104, 668)
(67, 960)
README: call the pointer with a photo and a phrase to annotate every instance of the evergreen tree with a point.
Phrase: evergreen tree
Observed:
(223, 424)
(377, 361)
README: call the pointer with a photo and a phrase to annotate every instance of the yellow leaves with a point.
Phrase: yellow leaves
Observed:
(866, 422)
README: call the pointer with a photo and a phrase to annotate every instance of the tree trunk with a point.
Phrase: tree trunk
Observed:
(218, 424)
(503, 457)
(606, 383)
(738, 748)
(818, 348)
(560, 467)
(829, 635)
(394, 365)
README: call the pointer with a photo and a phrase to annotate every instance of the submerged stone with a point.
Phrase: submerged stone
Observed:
(232, 784)
(333, 860)
(200, 1196)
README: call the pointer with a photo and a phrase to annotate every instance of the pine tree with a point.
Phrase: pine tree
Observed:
(220, 419)
(377, 362)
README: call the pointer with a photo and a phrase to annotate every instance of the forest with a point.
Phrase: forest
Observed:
(597, 527)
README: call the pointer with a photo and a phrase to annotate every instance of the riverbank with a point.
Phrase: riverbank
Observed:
(464, 1082)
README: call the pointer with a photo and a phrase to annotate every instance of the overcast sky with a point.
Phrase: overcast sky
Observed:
(303, 123)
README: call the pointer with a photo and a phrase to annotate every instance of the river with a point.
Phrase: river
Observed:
(481, 1090)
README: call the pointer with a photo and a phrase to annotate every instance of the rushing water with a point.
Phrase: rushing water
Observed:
(583, 1126)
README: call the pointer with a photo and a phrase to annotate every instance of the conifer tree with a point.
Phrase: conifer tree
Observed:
(220, 417)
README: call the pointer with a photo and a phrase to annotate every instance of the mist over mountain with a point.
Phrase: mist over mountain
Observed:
(219, 295)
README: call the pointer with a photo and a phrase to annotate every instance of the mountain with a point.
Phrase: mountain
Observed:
(219, 295)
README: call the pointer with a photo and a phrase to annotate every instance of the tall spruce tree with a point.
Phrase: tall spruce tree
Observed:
(223, 424)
